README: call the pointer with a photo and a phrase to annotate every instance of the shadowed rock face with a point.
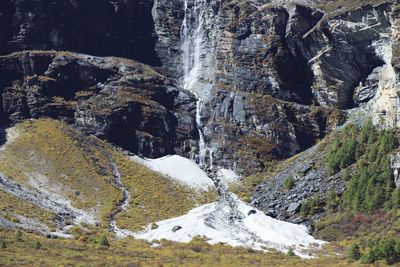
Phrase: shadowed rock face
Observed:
(122, 101)
(122, 28)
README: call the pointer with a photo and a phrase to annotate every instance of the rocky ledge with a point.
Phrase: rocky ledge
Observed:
(120, 100)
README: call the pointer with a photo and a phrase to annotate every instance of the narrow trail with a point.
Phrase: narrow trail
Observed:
(123, 204)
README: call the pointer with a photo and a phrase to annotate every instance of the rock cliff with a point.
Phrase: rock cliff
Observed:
(265, 65)
(273, 76)
(122, 28)
(120, 100)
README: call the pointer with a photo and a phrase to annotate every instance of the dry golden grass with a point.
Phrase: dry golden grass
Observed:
(11, 207)
(130, 252)
(77, 167)
(64, 162)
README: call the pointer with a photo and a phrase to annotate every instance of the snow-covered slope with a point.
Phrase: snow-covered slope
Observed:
(255, 230)
(229, 221)
(181, 169)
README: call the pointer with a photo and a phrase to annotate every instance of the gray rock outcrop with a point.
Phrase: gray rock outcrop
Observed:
(120, 100)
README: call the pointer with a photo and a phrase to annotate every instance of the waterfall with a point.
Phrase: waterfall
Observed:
(193, 61)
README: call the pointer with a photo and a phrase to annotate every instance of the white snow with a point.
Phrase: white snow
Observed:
(180, 169)
(256, 231)
(227, 176)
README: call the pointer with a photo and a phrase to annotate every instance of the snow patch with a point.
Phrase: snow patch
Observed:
(180, 169)
(227, 176)
(255, 230)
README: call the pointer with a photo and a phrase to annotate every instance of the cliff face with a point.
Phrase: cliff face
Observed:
(121, 28)
(273, 76)
(120, 100)
(264, 64)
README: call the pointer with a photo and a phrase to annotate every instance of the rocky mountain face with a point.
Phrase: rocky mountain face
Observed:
(266, 65)
(121, 28)
(273, 76)
(120, 100)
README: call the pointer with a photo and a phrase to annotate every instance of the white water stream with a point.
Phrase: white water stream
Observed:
(192, 36)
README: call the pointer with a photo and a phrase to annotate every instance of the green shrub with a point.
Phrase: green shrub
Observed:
(332, 200)
(37, 245)
(390, 251)
(104, 242)
(312, 206)
(289, 183)
(370, 257)
(3, 244)
(18, 236)
(291, 253)
(354, 252)
(387, 249)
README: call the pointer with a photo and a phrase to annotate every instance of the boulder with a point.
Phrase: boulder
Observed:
(294, 208)
(176, 228)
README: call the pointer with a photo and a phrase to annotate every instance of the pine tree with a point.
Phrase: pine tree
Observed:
(18, 236)
(37, 245)
(388, 251)
(354, 252)
(396, 199)
(3, 244)
(104, 241)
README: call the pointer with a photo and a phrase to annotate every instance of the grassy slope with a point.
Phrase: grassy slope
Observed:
(49, 152)
(52, 148)
(129, 252)
(8, 210)
(72, 162)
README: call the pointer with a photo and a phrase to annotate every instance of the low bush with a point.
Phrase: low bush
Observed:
(289, 183)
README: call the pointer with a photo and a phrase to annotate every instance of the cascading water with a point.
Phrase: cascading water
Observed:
(192, 35)
(229, 220)
(195, 64)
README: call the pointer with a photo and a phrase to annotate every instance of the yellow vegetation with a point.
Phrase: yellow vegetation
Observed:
(129, 252)
(11, 207)
(50, 155)
(53, 157)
